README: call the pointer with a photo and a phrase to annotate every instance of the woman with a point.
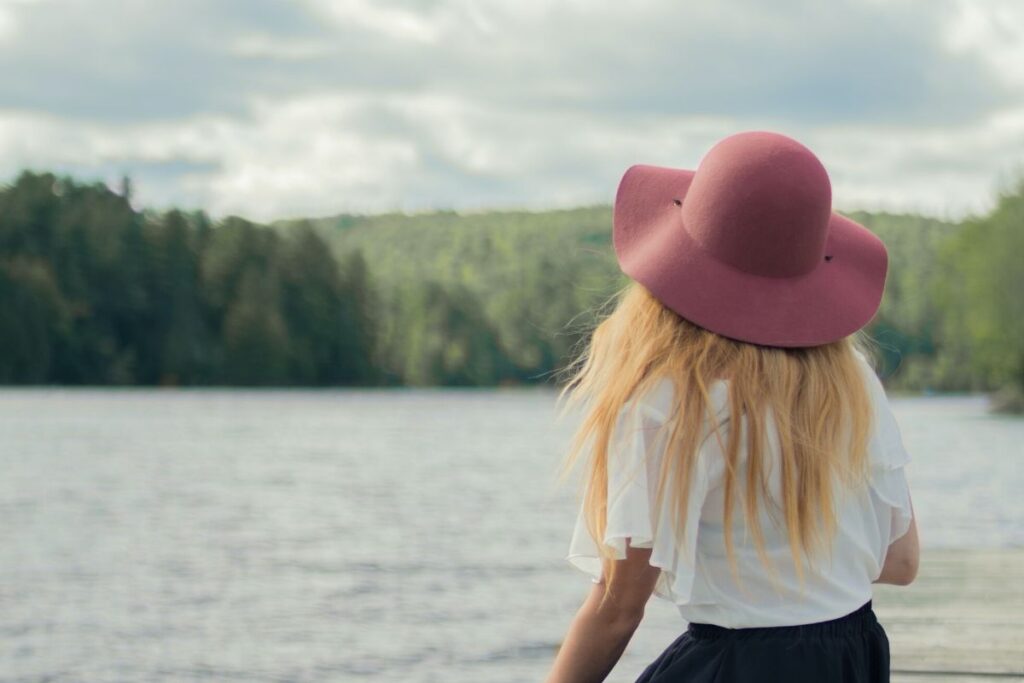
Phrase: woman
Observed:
(746, 308)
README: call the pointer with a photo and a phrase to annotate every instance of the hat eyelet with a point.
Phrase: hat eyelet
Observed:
(677, 202)
(828, 257)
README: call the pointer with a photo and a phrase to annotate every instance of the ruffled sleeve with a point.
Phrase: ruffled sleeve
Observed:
(634, 460)
(889, 458)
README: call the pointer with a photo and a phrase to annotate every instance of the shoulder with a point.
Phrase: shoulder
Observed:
(659, 399)
(871, 378)
(886, 438)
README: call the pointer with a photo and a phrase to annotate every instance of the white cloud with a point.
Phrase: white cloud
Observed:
(377, 17)
(6, 23)
(8, 16)
(948, 171)
(994, 29)
(402, 104)
(274, 47)
(313, 156)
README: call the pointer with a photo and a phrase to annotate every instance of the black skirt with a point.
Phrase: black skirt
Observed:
(851, 648)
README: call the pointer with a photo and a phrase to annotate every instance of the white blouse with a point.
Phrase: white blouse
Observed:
(697, 577)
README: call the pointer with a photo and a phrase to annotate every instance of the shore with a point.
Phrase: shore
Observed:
(961, 620)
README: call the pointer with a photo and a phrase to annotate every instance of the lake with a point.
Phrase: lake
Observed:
(347, 535)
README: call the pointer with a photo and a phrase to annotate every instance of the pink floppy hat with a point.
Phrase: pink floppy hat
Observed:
(748, 245)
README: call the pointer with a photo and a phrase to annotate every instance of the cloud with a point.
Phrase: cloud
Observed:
(273, 109)
(395, 22)
(994, 30)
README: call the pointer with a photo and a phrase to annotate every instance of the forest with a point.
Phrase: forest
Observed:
(96, 292)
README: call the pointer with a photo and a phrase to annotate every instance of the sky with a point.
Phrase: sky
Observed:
(277, 109)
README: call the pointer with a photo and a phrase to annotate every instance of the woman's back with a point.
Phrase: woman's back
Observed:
(741, 270)
(697, 576)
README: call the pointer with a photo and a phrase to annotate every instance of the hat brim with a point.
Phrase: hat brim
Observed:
(835, 299)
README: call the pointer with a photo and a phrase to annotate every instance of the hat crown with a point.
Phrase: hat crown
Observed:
(761, 202)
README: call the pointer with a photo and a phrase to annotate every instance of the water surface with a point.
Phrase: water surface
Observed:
(413, 535)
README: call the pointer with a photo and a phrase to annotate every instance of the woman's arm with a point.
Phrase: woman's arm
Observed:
(600, 632)
(902, 557)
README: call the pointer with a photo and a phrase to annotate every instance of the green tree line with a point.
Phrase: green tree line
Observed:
(95, 292)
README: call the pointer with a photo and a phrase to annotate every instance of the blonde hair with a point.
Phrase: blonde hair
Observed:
(810, 391)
